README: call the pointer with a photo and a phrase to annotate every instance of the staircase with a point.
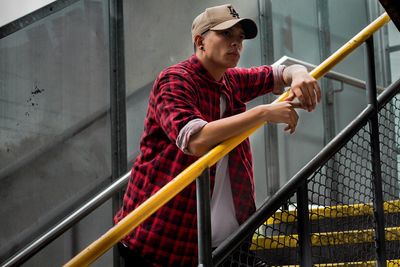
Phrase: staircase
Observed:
(328, 213)
(340, 232)
(340, 206)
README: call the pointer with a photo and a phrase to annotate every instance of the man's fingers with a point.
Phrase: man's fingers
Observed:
(312, 95)
(291, 96)
(290, 129)
(300, 96)
(308, 96)
(294, 117)
(296, 104)
(317, 91)
(305, 97)
(308, 93)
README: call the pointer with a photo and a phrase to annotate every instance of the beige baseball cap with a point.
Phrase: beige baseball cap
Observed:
(222, 18)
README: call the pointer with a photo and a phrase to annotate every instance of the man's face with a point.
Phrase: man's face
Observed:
(223, 48)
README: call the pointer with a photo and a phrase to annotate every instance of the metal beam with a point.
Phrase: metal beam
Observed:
(270, 130)
(204, 219)
(34, 16)
(119, 158)
(380, 245)
(392, 7)
(303, 226)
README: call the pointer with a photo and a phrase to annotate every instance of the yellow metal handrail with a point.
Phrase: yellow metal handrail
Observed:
(180, 182)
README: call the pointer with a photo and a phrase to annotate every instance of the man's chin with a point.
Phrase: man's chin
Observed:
(232, 64)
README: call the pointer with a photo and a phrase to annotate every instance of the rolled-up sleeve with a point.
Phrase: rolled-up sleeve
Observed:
(279, 83)
(191, 128)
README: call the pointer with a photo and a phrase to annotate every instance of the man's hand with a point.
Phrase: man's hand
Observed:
(282, 112)
(303, 87)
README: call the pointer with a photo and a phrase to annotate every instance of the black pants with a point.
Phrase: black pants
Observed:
(131, 258)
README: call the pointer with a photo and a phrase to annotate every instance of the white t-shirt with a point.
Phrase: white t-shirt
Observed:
(223, 215)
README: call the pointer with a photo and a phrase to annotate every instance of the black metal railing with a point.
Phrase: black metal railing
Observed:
(333, 210)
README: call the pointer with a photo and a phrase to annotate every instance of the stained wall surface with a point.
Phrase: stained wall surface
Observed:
(55, 141)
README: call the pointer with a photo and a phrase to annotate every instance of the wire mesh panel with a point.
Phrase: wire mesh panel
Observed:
(341, 197)
(389, 145)
(341, 213)
(274, 243)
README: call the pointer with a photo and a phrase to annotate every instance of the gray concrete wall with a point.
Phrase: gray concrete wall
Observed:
(295, 25)
(54, 78)
(296, 35)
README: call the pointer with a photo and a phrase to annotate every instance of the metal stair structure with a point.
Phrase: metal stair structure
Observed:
(393, 9)
(341, 235)
(327, 214)
(342, 208)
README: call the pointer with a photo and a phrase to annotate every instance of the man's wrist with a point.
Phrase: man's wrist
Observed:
(291, 71)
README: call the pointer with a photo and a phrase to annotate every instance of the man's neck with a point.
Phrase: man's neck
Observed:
(215, 71)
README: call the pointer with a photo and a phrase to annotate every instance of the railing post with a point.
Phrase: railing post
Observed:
(271, 148)
(375, 157)
(303, 226)
(117, 103)
(204, 219)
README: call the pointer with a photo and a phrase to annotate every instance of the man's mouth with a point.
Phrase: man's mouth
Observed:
(234, 53)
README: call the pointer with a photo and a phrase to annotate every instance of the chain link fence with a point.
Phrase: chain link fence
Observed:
(342, 227)
(340, 205)
(389, 139)
(276, 239)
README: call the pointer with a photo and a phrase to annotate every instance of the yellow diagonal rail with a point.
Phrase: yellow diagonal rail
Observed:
(180, 182)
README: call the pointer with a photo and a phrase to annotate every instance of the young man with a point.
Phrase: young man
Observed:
(194, 106)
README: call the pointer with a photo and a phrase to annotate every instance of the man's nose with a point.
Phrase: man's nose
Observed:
(237, 43)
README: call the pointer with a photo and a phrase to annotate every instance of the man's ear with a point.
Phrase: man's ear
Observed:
(198, 41)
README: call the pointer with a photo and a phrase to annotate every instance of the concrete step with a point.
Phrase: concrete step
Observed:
(361, 252)
(341, 246)
(338, 211)
(332, 218)
(340, 233)
(323, 239)
(391, 263)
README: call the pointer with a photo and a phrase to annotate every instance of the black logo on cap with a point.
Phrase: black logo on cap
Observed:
(233, 12)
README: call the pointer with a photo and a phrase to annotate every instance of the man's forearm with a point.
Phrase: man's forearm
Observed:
(217, 131)
(220, 130)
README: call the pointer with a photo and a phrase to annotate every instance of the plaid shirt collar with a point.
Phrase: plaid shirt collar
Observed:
(200, 69)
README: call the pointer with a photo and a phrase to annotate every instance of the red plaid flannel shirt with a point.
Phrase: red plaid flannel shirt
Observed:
(181, 93)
